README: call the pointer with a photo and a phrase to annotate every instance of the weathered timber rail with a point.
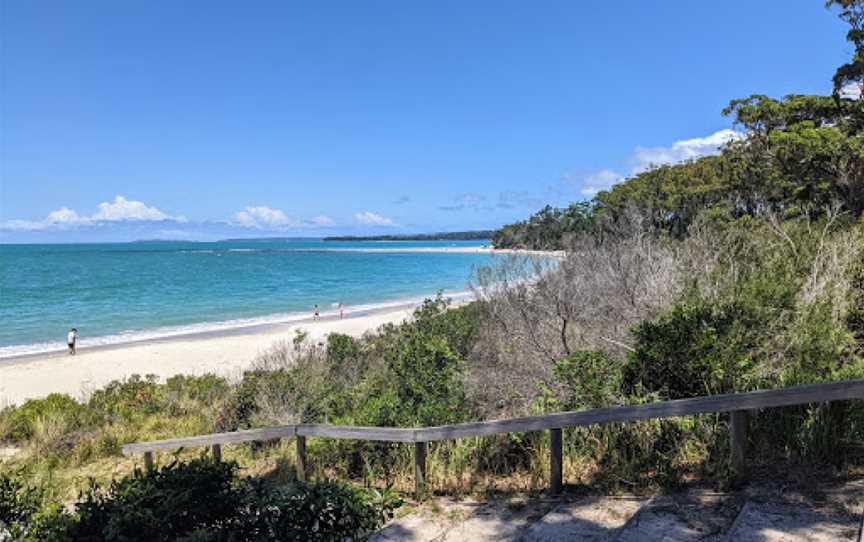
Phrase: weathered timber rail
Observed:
(737, 404)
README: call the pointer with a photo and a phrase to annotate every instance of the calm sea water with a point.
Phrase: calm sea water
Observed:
(121, 292)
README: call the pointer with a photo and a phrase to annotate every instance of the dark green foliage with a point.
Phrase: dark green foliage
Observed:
(852, 12)
(548, 229)
(421, 383)
(671, 197)
(694, 350)
(341, 350)
(323, 510)
(25, 516)
(18, 503)
(590, 380)
(198, 500)
(163, 504)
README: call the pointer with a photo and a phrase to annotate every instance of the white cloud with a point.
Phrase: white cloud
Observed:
(687, 149)
(601, 180)
(64, 215)
(118, 210)
(371, 219)
(262, 217)
(124, 209)
(851, 90)
(23, 225)
(322, 221)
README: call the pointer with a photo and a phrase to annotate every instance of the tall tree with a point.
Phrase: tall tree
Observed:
(851, 73)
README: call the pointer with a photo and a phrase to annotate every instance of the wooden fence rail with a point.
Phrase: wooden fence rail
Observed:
(737, 404)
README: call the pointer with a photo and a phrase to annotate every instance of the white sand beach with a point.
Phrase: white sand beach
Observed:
(224, 354)
(384, 249)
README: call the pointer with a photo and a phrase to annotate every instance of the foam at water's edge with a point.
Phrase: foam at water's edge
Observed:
(207, 327)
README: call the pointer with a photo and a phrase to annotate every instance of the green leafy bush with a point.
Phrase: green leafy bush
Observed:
(162, 504)
(342, 349)
(694, 350)
(590, 380)
(324, 510)
(421, 382)
(18, 503)
(198, 500)
(130, 398)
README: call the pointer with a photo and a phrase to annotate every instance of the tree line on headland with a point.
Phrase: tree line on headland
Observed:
(796, 155)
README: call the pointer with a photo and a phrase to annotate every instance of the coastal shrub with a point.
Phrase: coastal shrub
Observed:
(161, 504)
(425, 367)
(196, 391)
(693, 350)
(320, 511)
(590, 380)
(299, 394)
(18, 503)
(129, 398)
(198, 500)
(59, 411)
(342, 349)
(25, 514)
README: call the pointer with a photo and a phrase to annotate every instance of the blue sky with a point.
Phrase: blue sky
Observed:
(201, 120)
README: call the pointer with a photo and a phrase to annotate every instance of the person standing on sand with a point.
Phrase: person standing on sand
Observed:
(341, 311)
(317, 313)
(72, 340)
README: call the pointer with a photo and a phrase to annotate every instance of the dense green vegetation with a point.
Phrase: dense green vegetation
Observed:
(198, 500)
(729, 273)
(547, 229)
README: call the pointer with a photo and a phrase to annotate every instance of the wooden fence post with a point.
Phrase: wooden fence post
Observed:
(301, 458)
(148, 460)
(419, 470)
(738, 443)
(217, 453)
(556, 461)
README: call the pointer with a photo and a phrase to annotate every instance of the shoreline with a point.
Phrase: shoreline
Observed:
(36, 350)
(239, 330)
(222, 328)
(226, 353)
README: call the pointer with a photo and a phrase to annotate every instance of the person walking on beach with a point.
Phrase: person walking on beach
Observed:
(317, 313)
(72, 340)
(341, 311)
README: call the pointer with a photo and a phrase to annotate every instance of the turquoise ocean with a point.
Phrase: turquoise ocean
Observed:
(115, 293)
